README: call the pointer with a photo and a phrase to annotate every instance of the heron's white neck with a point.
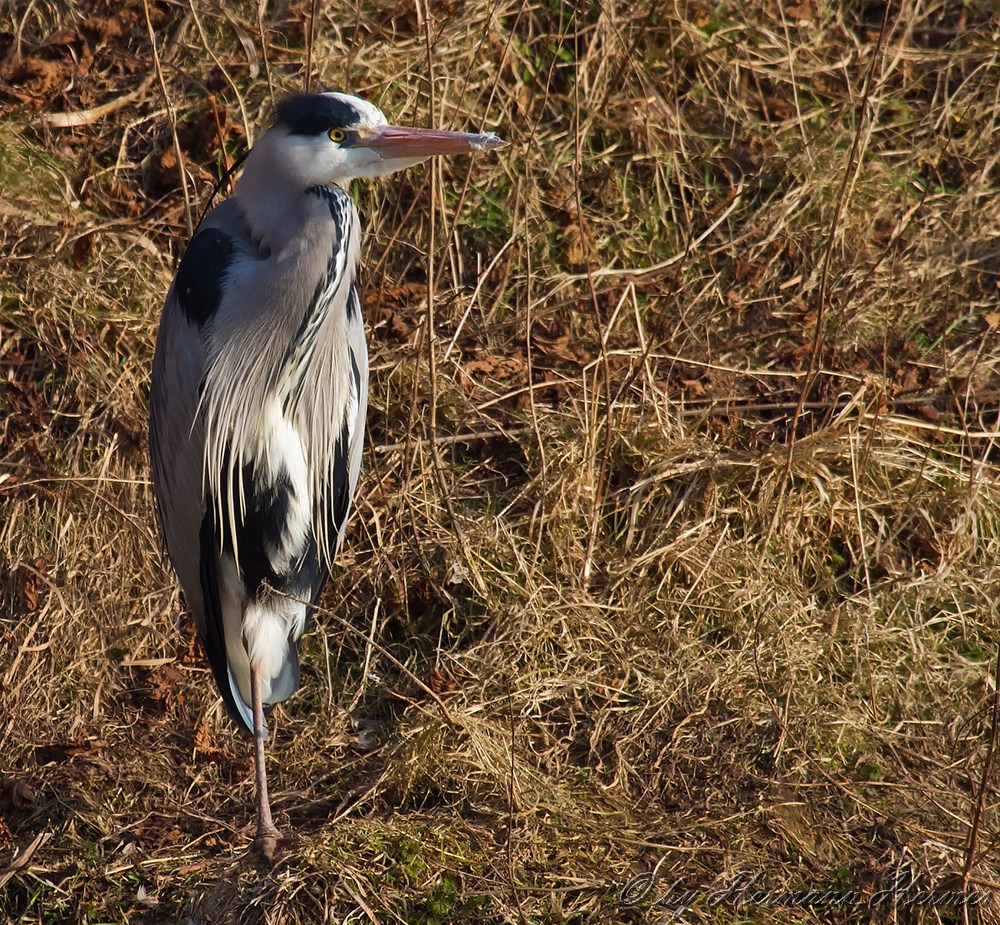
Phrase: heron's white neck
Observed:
(269, 196)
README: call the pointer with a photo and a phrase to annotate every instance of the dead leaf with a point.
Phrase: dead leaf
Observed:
(205, 747)
(523, 99)
(402, 294)
(188, 650)
(33, 80)
(801, 11)
(774, 107)
(441, 683)
(103, 29)
(18, 793)
(396, 325)
(693, 388)
(60, 752)
(578, 237)
(83, 250)
(29, 588)
(553, 346)
(164, 683)
(495, 367)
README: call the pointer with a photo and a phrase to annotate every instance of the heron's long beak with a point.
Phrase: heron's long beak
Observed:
(393, 141)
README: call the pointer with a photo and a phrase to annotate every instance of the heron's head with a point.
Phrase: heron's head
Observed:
(324, 138)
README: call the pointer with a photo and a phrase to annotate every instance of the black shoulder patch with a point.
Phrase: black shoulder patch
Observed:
(315, 113)
(198, 285)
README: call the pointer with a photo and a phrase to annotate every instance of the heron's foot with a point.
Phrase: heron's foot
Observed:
(268, 842)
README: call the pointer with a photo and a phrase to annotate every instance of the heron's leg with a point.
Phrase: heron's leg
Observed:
(267, 834)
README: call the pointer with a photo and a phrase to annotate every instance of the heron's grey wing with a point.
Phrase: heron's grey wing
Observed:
(175, 445)
(177, 437)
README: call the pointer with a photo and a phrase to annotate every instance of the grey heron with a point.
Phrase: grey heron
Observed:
(259, 393)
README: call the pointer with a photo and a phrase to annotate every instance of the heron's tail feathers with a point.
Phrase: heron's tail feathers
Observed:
(244, 711)
(280, 688)
(265, 635)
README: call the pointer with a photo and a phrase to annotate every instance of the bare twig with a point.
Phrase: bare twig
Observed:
(432, 368)
(816, 354)
(262, 33)
(981, 791)
(310, 44)
(89, 116)
(602, 395)
(21, 858)
(172, 116)
(512, 804)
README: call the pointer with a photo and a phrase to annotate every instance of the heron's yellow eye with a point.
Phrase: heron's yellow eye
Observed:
(337, 135)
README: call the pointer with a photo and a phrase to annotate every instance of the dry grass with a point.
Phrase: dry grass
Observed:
(679, 561)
